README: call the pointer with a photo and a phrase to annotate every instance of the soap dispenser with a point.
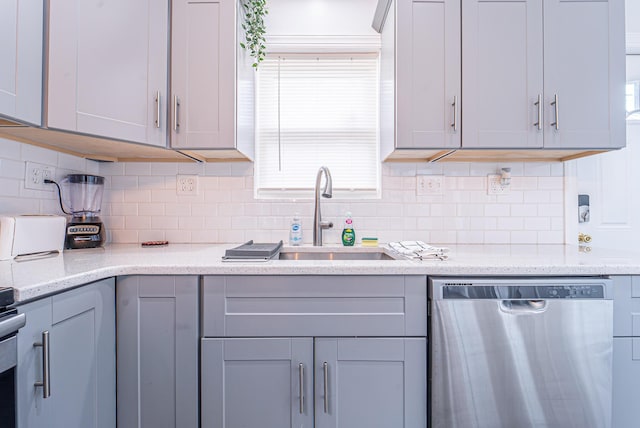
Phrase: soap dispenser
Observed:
(348, 233)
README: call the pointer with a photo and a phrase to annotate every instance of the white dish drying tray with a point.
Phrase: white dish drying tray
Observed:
(418, 250)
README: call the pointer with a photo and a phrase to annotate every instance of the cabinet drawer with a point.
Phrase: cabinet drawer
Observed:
(626, 306)
(243, 306)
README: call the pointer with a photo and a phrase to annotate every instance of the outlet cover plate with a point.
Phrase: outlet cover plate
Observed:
(36, 173)
(429, 185)
(495, 186)
(187, 185)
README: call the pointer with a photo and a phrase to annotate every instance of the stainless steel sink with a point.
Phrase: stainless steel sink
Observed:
(334, 255)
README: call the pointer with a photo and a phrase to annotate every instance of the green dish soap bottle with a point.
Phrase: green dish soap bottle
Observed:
(348, 233)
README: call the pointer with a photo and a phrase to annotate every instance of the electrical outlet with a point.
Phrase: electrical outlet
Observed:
(187, 185)
(429, 185)
(35, 174)
(495, 186)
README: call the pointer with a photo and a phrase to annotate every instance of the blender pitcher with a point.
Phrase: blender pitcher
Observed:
(83, 196)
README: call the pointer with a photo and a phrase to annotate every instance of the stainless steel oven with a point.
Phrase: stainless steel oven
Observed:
(10, 323)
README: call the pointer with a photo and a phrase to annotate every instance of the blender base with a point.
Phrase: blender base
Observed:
(84, 234)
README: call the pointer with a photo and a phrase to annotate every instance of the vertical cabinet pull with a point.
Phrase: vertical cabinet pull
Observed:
(176, 105)
(46, 366)
(557, 110)
(454, 125)
(157, 121)
(301, 381)
(325, 370)
(539, 105)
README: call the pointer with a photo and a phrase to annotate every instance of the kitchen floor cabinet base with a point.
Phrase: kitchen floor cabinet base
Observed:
(306, 382)
(157, 351)
(81, 326)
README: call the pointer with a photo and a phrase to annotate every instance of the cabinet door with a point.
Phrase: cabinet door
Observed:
(584, 67)
(21, 28)
(157, 351)
(370, 382)
(428, 74)
(502, 73)
(33, 409)
(203, 36)
(107, 68)
(81, 326)
(257, 383)
(626, 382)
(83, 357)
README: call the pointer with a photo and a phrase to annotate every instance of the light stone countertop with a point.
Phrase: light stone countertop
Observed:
(37, 278)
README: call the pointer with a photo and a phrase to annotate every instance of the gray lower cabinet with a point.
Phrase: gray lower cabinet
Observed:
(626, 351)
(79, 327)
(307, 382)
(314, 351)
(157, 351)
(626, 382)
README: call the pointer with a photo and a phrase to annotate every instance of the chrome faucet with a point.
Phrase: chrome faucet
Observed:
(327, 192)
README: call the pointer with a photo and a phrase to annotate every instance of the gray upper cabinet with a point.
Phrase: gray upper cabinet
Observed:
(524, 74)
(584, 67)
(21, 30)
(157, 351)
(80, 326)
(108, 68)
(543, 74)
(502, 73)
(211, 79)
(428, 64)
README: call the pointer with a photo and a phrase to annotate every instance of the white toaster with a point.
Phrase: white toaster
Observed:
(31, 234)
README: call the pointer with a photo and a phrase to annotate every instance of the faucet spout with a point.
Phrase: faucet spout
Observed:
(327, 192)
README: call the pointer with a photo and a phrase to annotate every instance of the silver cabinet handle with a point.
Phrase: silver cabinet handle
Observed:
(176, 104)
(325, 369)
(46, 365)
(301, 380)
(557, 109)
(454, 125)
(539, 105)
(157, 122)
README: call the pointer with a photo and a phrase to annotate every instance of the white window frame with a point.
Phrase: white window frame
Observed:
(306, 190)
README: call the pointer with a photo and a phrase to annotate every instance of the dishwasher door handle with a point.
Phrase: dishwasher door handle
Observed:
(523, 307)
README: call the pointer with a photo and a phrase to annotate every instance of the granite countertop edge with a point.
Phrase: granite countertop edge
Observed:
(39, 278)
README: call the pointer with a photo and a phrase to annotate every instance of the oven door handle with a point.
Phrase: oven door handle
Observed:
(12, 324)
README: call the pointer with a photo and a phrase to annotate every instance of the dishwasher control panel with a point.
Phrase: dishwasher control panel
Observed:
(533, 292)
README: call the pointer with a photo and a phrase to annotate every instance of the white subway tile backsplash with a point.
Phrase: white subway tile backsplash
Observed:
(10, 168)
(137, 195)
(137, 222)
(137, 168)
(180, 236)
(151, 235)
(10, 149)
(140, 202)
(537, 169)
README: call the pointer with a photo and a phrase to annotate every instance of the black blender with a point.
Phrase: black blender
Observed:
(84, 198)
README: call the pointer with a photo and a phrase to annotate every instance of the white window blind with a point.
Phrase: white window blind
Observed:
(314, 110)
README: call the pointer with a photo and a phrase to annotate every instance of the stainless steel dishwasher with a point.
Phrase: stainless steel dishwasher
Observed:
(520, 352)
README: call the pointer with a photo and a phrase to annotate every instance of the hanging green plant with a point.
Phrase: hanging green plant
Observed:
(254, 29)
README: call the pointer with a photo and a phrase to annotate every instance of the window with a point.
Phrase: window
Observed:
(315, 110)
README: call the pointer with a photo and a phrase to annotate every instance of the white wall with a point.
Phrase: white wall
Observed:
(14, 197)
(141, 204)
(320, 17)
